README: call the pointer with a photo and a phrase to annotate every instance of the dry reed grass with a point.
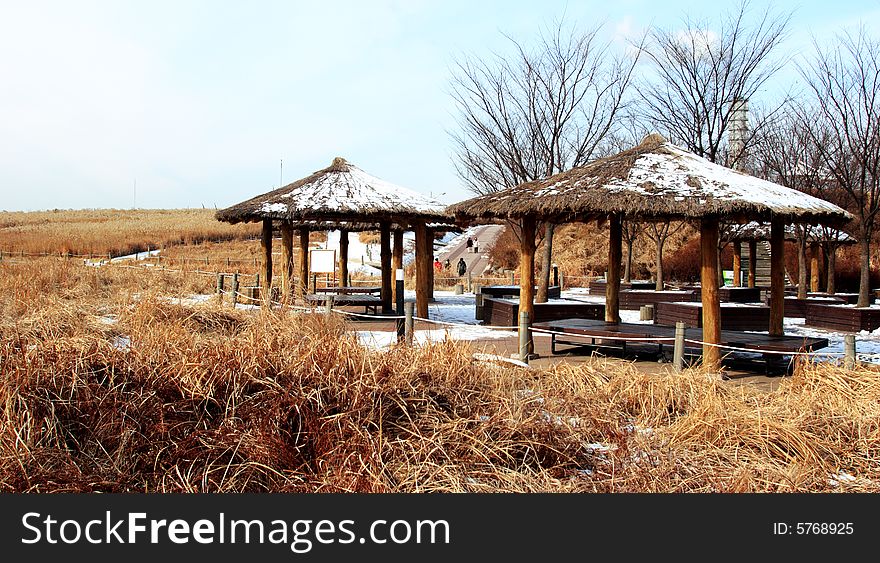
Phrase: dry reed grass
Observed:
(112, 231)
(108, 386)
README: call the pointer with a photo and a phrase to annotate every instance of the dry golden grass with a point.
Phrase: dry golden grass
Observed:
(112, 231)
(109, 386)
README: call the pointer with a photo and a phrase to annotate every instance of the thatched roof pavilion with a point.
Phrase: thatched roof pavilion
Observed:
(655, 181)
(830, 238)
(344, 197)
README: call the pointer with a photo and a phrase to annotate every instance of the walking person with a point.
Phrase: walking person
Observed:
(462, 267)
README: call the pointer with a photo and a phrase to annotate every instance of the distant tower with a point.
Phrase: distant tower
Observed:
(738, 133)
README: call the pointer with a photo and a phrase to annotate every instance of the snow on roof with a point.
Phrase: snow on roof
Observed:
(340, 190)
(655, 180)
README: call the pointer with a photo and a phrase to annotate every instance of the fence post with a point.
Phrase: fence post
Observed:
(555, 275)
(227, 261)
(561, 282)
(328, 304)
(220, 284)
(459, 289)
(470, 282)
(257, 280)
(512, 278)
(849, 350)
(399, 305)
(524, 336)
(234, 289)
(678, 351)
(408, 308)
(478, 300)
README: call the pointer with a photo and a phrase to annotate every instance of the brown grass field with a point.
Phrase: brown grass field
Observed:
(108, 384)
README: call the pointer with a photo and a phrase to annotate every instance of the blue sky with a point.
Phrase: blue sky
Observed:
(198, 102)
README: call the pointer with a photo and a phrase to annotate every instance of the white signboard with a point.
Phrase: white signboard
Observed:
(322, 261)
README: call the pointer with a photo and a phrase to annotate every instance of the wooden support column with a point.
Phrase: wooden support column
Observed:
(615, 254)
(266, 269)
(429, 248)
(303, 286)
(396, 261)
(753, 255)
(737, 263)
(423, 269)
(286, 260)
(527, 275)
(343, 257)
(709, 291)
(814, 267)
(777, 276)
(385, 259)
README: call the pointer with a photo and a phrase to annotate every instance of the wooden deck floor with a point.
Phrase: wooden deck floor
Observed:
(591, 333)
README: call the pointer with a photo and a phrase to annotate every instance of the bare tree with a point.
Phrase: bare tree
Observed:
(845, 81)
(539, 112)
(660, 233)
(787, 152)
(700, 75)
(630, 231)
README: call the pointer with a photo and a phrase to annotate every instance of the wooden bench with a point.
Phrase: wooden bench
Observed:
(350, 290)
(844, 318)
(600, 334)
(505, 312)
(733, 316)
(553, 291)
(368, 302)
(634, 299)
(597, 287)
(797, 308)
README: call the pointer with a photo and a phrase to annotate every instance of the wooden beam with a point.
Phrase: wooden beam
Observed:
(737, 263)
(527, 274)
(777, 276)
(814, 267)
(615, 254)
(343, 257)
(385, 260)
(286, 260)
(266, 268)
(396, 261)
(303, 285)
(423, 268)
(429, 242)
(709, 293)
(753, 255)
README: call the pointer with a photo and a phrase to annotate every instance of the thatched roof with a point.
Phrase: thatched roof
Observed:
(655, 180)
(761, 231)
(337, 195)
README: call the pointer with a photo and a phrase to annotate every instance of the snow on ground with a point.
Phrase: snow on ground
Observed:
(136, 256)
(459, 310)
(453, 239)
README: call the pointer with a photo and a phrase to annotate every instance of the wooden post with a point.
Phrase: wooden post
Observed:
(678, 349)
(849, 351)
(527, 280)
(429, 248)
(512, 278)
(286, 260)
(409, 324)
(753, 255)
(385, 260)
(220, 285)
(615, 255)
(525, 344)
(397, 262)
(343, 257)
(303, 285)
(777, 276)
(423, 268)
(234, 289)
(266, 246)
(737, 263)
(709, 290)
(814, 267)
